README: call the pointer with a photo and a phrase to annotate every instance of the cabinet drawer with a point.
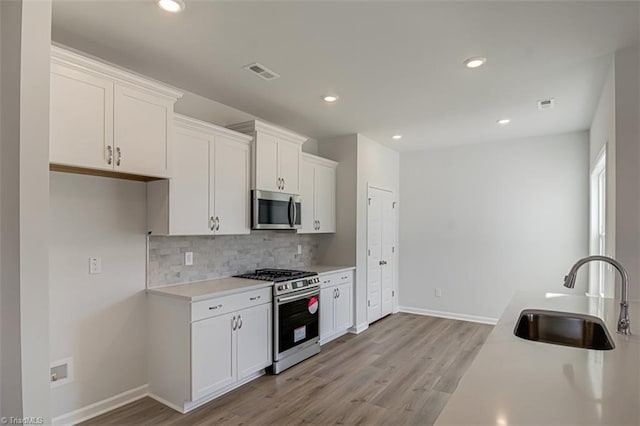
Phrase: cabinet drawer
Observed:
(233, 302)
(327, 280)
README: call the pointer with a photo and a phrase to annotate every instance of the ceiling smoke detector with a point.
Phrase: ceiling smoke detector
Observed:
(262, 71)
(546, 103)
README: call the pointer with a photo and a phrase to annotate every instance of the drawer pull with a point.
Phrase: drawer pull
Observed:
(254, 298)
(214, 307)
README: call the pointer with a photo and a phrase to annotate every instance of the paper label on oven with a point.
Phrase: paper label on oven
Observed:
(313, 305)
(299, 333)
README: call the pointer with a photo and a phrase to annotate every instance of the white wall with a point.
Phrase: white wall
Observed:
(377, 166)
(340, 248)
(99, 320)
(601, 132)
(24, 290)
(362, 162)
(627, 211)
(482, 221)
(10, 357)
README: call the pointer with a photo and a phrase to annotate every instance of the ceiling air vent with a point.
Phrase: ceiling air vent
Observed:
(262, 71)
(546, 103)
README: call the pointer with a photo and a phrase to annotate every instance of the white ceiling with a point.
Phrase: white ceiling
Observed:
(397, 66)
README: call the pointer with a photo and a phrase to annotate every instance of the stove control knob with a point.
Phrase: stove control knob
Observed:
(280, 288)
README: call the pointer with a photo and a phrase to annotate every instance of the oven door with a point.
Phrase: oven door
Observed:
(274, 210)
(296, 321)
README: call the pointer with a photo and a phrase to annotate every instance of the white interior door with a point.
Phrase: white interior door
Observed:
(380, 252)
(374, 254)
(388, 238)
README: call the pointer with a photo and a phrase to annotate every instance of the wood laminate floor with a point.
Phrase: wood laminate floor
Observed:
(402, 370)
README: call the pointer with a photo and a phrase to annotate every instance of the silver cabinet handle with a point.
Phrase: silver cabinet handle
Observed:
(382, 262)
(284, 183)
(338, 292)
(118, 156)
(254, 298)
(211, 223)
(215, 307)
(318, 225)
(234, 324)
(239, 322)
(109, 155)
(217, 223)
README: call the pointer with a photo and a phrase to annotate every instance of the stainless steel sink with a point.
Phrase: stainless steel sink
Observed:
(561, 328)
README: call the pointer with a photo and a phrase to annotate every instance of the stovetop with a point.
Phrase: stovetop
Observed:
(276, 275)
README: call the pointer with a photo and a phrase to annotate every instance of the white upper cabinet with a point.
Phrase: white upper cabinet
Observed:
(209, 191)
(276, 157)
(318, 190)
(104, 118)
(81, 118)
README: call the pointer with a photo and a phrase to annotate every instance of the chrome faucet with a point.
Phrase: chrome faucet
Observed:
(623, 318)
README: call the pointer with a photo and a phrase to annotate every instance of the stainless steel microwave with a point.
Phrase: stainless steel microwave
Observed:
(275, 210)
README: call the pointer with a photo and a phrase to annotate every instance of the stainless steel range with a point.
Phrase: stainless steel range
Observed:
(296, 315)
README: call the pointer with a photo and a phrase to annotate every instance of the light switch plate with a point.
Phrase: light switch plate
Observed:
(438, 292)
(188, 258)
(95, 265)
(299, 248)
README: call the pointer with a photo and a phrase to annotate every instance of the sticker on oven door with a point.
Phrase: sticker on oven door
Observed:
(299, 333)
(313, 305)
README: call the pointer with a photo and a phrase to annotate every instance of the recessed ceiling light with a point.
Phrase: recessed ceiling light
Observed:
(475, 62)
(504, 121)
(330, 98)
(396, 137)
(172, 6)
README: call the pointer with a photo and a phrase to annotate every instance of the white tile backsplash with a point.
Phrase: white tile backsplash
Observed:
(224, 256)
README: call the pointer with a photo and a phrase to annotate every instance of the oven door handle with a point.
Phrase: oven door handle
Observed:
(299, 296)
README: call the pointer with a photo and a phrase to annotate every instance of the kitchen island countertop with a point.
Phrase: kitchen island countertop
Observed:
(513, 381)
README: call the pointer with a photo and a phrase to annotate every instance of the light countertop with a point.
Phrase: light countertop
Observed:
(201, 290)
(513, 381)
(326, 269)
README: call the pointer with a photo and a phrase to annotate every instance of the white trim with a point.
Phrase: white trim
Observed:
(70, 58)
(319, 160)
(167, 403)
(101, 407)
(249, 127)
(192, 405)
(359, 328)
(449, 315)
(203, 126)
(333, 337)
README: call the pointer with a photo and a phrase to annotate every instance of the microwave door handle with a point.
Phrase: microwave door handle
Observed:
(292, 212)
(295, 212)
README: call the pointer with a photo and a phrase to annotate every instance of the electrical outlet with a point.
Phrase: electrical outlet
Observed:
(438, 292)
(299, 248)
(95, 265)
(188, 258)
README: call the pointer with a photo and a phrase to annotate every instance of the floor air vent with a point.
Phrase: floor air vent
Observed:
(262, 71)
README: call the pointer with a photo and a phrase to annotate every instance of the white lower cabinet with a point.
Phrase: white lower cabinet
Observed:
(336, 305)
(201, 350)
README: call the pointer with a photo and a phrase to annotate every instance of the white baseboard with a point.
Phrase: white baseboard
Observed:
(359, 328)
(167, 403)
(101, 407)
(449, 315)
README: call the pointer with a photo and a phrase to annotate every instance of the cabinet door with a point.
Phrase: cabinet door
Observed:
(325, 198)
(308, 199)
(81, 119)
(142, 128)
(254, 340)
(231, 186)
(327, 312)
(266, 159)
(189, 187)
(213, 355)
(289, 155)
(343, 308)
